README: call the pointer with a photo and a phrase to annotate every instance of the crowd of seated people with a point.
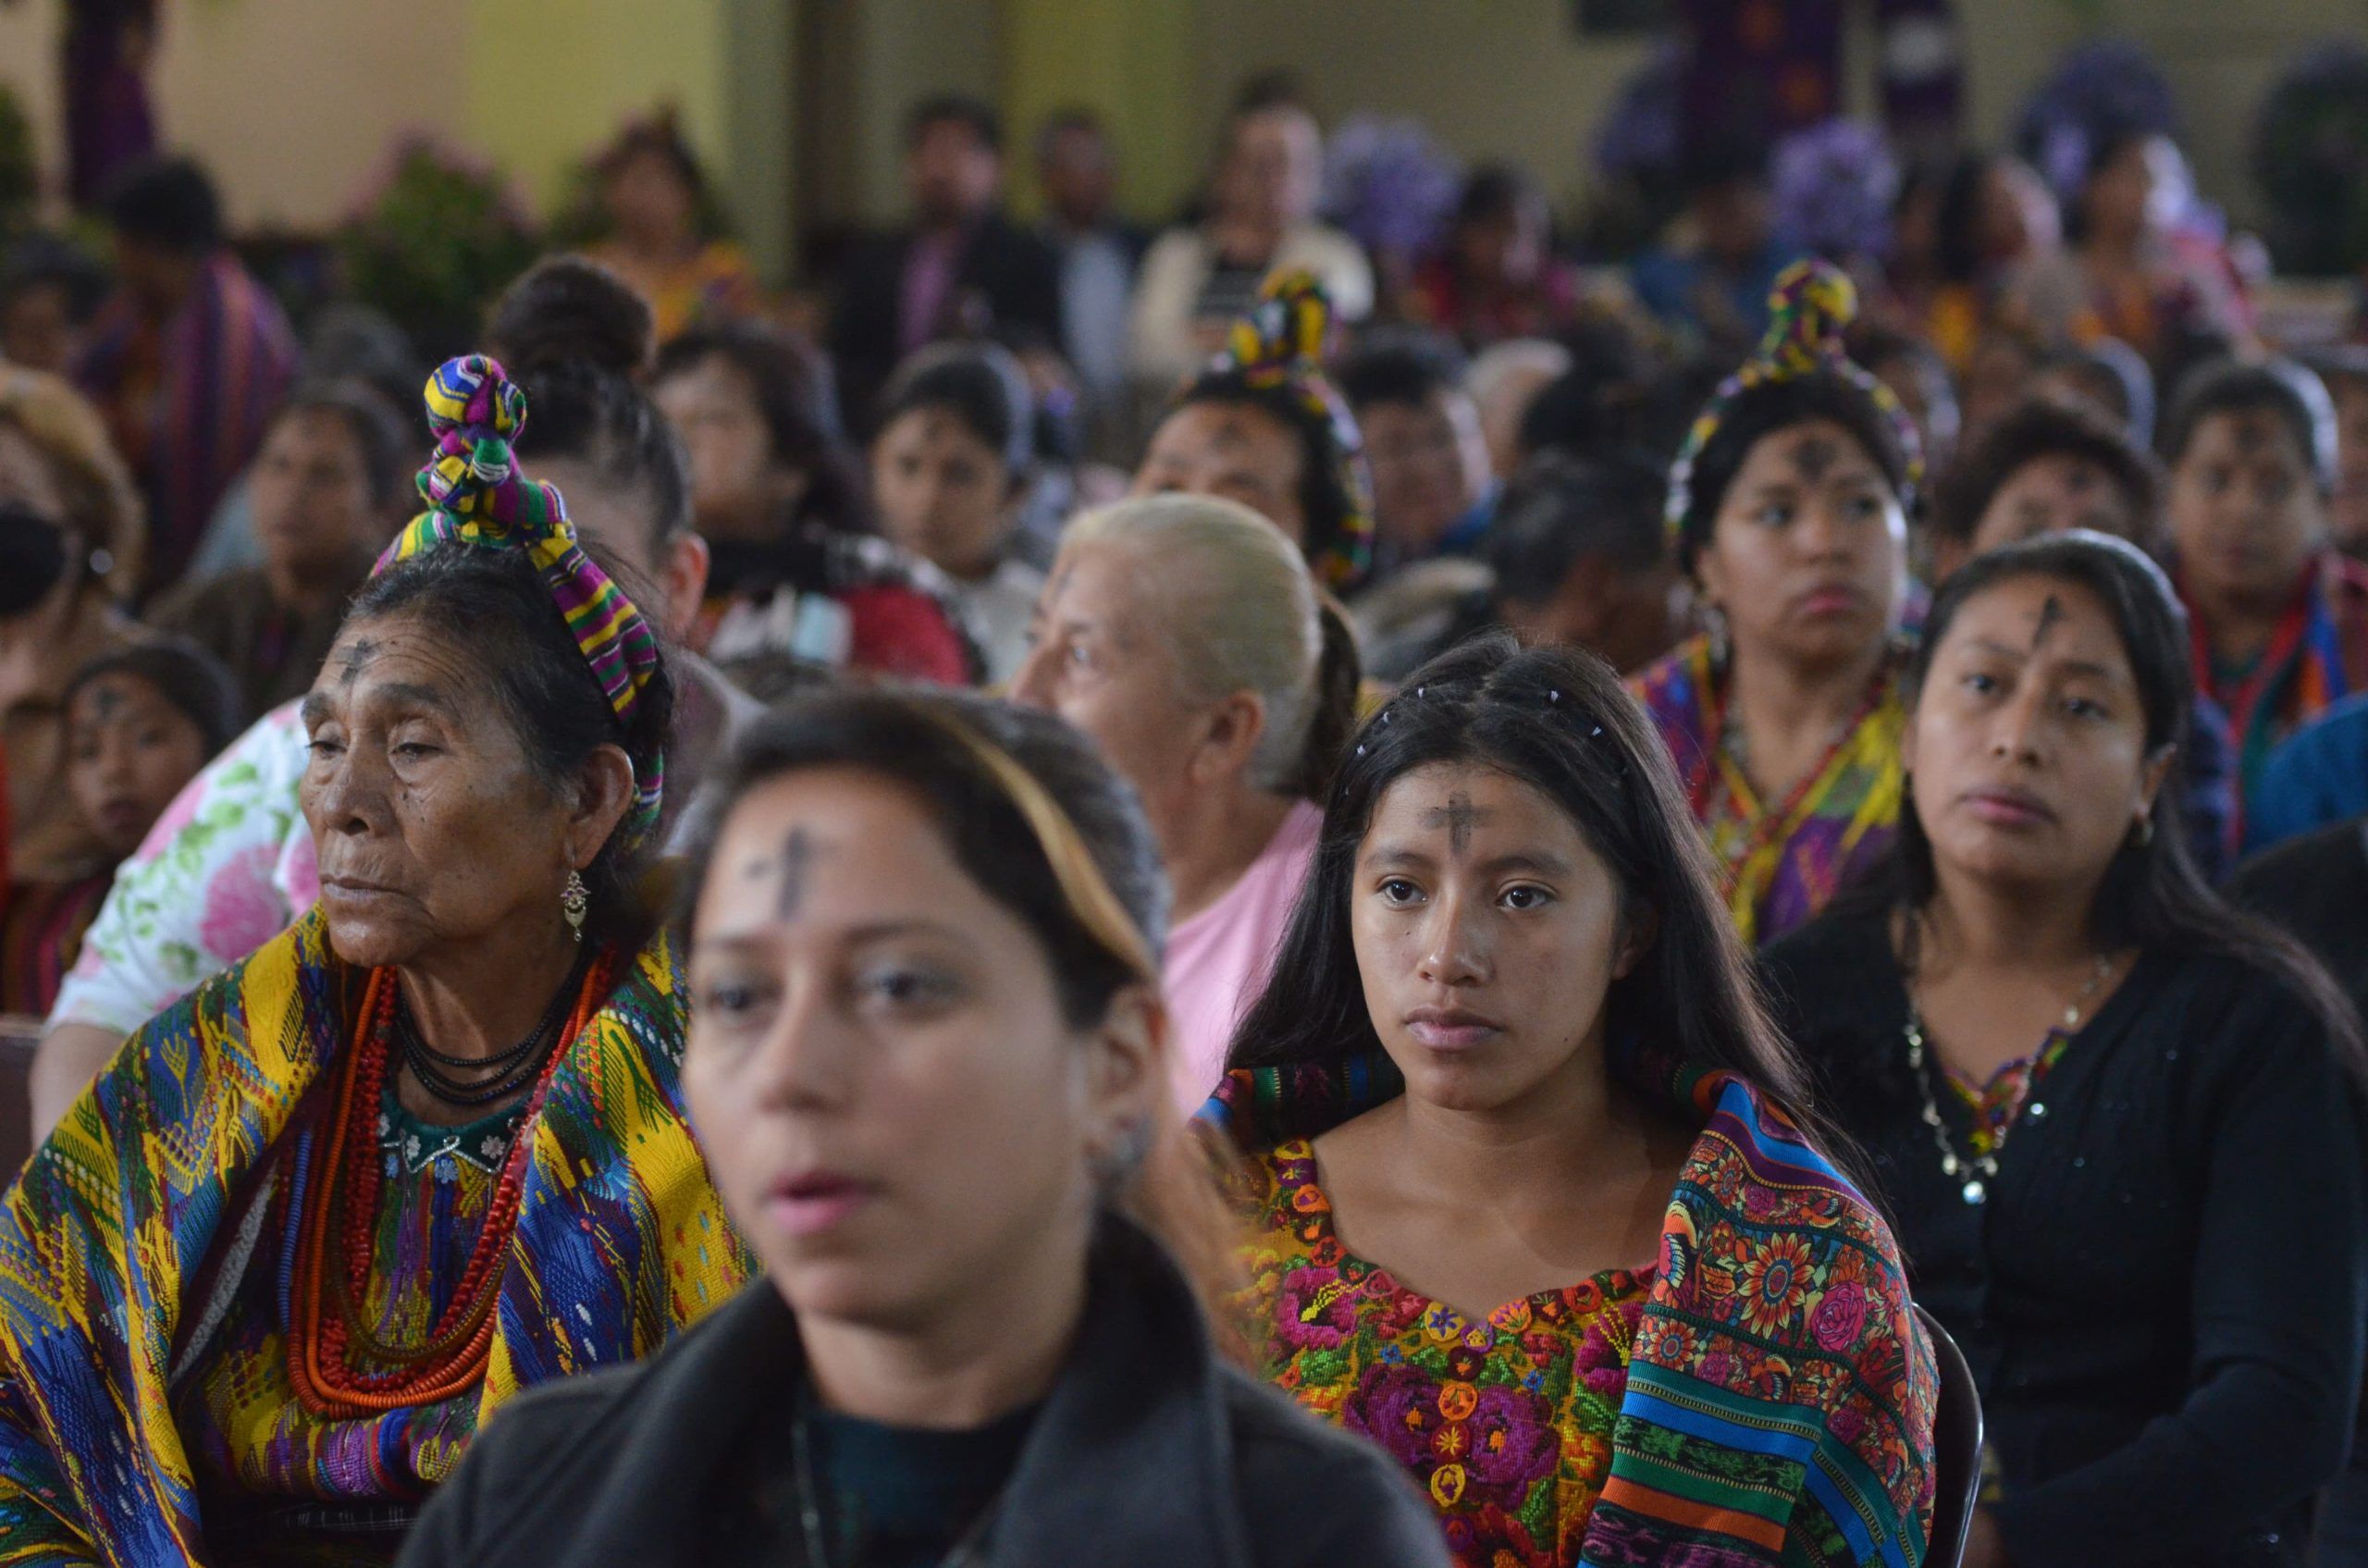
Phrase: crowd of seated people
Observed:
(1167, 895)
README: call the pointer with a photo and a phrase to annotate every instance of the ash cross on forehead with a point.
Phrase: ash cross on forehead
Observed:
(106, 697)
(358, 655)
(2051, 615)
(1813, 456)
(796, 860)
(1459, 816)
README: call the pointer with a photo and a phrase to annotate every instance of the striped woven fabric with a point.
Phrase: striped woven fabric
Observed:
(1780, 1394)
(476, 496)
(108, 1240)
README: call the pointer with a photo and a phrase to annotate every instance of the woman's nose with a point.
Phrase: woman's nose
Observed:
(1453, 950)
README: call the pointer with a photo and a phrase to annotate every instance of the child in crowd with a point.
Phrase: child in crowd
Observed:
(139, 726)
(949, 467)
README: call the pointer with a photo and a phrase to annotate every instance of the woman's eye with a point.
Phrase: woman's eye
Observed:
(731, 999)
(2084, 707)
(1398, 890)
(1980, 683)
(1864, 507)
(324, 746)
(1080, 655)
(1526, 897)
(906, 989)
(412, 750)
(1773, 516)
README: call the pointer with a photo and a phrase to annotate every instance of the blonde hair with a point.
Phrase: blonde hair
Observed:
(1240, 612)
(102, 504)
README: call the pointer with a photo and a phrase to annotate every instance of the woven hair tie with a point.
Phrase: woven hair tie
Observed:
(1812, 303)
(477, 498)
(1279, 345)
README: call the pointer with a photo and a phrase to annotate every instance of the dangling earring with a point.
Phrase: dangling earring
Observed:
(576, 902)
(2145, 830)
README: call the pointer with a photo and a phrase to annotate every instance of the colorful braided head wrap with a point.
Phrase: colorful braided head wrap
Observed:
(476, 498)
(1812, 303)
(1278, 349)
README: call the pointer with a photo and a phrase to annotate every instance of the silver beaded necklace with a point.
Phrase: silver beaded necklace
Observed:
(1980, 1170)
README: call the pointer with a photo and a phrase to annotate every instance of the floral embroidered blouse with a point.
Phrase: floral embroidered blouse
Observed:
(1506, 1423)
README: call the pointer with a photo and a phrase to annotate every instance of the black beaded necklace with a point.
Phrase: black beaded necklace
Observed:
(512, 1069)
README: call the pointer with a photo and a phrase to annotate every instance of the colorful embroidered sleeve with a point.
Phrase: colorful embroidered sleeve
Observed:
(224, 871)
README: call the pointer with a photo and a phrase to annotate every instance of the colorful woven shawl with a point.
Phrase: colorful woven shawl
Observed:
(2317, 656)
(111, 1236)
(1781, 861)
(1780, 1394)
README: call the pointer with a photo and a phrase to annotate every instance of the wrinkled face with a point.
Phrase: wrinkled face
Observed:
(1273, 168)
(951, 174)
(1807, 555)
(2246, 515)
(37, 330)
(1486, 931)
(712, 406)
(433, 830)
(1429, 466)
(1230, 449)
(2027, 750)
(2055, 493)
(311, 495)
(942, 491)
(128, 752)
(2348, 512)
(891, 1100)
(649, 199)
(1097, 657)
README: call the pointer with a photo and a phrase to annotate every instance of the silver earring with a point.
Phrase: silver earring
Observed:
(2145, 830)
(576, 902)
(1114, 1164)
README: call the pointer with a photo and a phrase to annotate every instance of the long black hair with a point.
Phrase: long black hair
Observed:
(1558, 721)
(2152, 897)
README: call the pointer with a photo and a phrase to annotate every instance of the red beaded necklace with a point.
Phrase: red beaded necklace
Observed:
(332, 1270)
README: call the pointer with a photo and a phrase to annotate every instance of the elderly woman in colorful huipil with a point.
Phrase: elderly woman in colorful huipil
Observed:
(423, 1149)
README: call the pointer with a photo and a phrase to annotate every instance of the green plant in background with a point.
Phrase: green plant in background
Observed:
(19, 170)
(440, 236)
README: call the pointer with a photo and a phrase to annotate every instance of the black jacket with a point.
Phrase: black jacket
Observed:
(1148, 1451)
(2162, 1300)
(1008, 282)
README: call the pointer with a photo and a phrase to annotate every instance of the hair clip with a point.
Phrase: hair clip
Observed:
(1595, 732)
(1419, 691)
(1553, 696)
(1361, 751)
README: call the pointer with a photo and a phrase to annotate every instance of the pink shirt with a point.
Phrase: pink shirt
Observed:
(1218, 961)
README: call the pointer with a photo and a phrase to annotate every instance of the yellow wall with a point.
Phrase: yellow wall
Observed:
(295, 100)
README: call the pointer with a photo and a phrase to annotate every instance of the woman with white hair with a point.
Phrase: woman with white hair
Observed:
(1185, 636)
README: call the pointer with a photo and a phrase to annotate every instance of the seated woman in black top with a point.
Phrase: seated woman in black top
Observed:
(2118, 1124)
(927, 1065)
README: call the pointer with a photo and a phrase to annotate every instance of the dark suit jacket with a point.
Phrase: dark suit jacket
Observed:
(1008, 278)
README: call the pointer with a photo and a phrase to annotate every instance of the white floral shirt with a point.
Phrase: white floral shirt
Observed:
(225, 869)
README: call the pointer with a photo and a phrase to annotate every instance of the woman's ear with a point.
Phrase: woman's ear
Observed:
(1232, 730)
(1126, 1072)
(2150, 778)
(604, 792)
(1641, 929)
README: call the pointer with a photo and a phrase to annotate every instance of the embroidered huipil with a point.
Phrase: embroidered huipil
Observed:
(1506, 1423)
(260, 1457)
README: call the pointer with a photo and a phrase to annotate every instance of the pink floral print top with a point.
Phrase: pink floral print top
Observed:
(225, 869)
(1505, 1423)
